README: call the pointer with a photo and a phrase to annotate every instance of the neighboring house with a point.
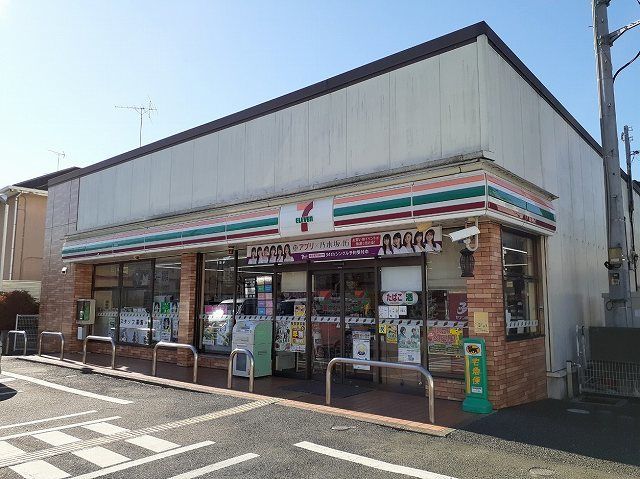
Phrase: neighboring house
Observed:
(22, 216)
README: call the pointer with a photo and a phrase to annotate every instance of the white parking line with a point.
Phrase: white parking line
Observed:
(7, 450)
(6, 380)
(59, 387)
(39, 470)
(59, 428)
(56, 438)
(38, 421)
(374, 463)
(101, 457)
(144, 460)
(215, 467)
(152, 443)
(105, 428)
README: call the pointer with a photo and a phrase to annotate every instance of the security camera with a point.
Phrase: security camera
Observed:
(464, 233)
(63, 270)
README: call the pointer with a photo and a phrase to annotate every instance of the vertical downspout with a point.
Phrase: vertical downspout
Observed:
(4, 238)
(13, 240)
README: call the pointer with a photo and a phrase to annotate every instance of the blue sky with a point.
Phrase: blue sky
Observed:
(64, 65)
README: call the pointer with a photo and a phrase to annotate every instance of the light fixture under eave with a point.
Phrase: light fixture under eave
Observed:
(467, 263)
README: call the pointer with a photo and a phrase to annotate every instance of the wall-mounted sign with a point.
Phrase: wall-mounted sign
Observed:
(347, 247)
(475, 367)
(397, 298)
(307, 217)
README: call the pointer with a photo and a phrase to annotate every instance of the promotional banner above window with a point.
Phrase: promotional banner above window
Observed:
(474, 194)
(348, 247)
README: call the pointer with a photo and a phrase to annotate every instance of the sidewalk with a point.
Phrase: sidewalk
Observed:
(372, 405)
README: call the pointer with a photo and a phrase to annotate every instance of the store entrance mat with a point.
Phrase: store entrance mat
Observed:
(317, 388)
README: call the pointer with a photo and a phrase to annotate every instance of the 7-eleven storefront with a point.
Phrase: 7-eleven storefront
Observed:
(365, 270)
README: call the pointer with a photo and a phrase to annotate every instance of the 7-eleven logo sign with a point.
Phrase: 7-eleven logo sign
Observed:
(305, 218)
(314, 216)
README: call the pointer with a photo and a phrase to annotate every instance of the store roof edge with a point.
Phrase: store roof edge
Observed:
(392, 62)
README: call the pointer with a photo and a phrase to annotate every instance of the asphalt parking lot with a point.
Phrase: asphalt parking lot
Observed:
(57, 423)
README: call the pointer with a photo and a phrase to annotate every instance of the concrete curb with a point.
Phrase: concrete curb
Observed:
(402, 424)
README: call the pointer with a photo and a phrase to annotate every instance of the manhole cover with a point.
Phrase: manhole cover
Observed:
(541, 472)
(342, 428)
(578, 411)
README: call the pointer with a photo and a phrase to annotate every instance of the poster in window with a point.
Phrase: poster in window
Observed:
(409, 344)
(298, 340)
(361, 347)
(283, 334)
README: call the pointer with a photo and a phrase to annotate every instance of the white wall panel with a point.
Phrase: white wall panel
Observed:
(459, 101)
(260, 156)
(106, 194)
(531, 134)
(549, 153)
(231, 169)
(415, 133)
(292, 148)
(328, 137)
(123, 189)
(160, 183)
(205, 170)
(140, 195)
(181, 176)
(368, 126)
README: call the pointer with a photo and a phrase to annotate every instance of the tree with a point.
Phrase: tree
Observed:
(15, 302)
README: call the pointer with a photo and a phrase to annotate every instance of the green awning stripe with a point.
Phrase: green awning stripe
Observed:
(253, 224)
(520, 203)
(369, 207)
(462, 193)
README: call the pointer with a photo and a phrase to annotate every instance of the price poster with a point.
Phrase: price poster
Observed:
(298, 336)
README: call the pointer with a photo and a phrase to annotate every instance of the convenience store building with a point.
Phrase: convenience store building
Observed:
(327, 213)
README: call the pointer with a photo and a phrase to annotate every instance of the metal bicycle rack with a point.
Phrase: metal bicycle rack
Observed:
(21, 333)
(382, 364)
(52, 333)
(164, 344)
(105, 339)
(252, 366)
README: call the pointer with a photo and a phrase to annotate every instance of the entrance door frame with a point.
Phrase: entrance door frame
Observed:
(375, 265)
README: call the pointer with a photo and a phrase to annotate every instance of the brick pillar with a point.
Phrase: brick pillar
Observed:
(516, 369)
(187, 317)
(485, 293)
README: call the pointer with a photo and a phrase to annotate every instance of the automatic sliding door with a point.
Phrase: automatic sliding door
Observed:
(326, 314)
(360, 327)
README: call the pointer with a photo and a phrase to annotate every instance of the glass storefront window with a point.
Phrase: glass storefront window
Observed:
(107, 305)
(218, 308)
(106, 276)
(400, 322)
(360, 324)
(326, 334)
(520, 284)
(136, 302)
(166, 300)
(290, 341)
(447, 311)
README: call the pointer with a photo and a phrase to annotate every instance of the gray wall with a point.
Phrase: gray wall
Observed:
(428, 110)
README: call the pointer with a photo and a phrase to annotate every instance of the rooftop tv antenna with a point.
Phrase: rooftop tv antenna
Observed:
(142, 111)
(58, 154)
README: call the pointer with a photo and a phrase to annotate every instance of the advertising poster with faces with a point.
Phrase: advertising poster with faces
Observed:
(165, 319)
(400, 242)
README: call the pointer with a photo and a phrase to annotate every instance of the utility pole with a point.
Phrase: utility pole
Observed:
(619, 301)
(633, 256)
(141, 110)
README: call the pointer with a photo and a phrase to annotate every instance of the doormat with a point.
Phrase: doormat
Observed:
(317, 388)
